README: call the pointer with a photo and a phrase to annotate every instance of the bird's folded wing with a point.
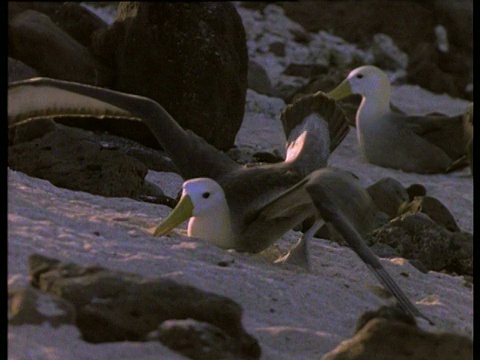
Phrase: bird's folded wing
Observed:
(286, 204)
(37, 98)
(445, 132)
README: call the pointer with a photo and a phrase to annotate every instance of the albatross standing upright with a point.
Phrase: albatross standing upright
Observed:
(245, 208)
(421, 144)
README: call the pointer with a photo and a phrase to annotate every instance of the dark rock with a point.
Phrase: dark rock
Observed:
(113, 133)
(119, 306)
(468, 281)
(301, 36)
(390, 335)
(392, 312)
(409, 24)
(160, 199)
(386, 54)
(197, 340)
(190, 58)
(258, 79)
(122, 127)
(395, 237)
(30, 306)
(277, 48)
(305, 70)
(418, 265)
(461, 246)
(405, 22)
(77, 21)
(383, 250)
(150, 190)
(440, 72)
(30, 131)
(433, 208)
(153, 159)
(393, 199)
(17, 71)
(416, 236)
(457, 17)
(35, 40)
(72, 159)
(468, 133)
(388, 194)
(45, 7)
(470, 155)
(241, 155)
(254, 5)
(468, 124)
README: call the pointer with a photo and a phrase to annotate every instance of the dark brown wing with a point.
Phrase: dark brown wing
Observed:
(31, 99)
(319, 103)
(314, 126)
(446, 132)
(321, 188)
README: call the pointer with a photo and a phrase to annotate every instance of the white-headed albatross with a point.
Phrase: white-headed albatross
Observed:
(421, 144)
(246, 208)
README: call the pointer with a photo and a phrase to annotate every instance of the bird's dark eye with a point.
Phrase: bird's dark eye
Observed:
(359, 76)
(206, 195)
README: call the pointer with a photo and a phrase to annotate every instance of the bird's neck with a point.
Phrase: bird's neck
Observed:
(369, 116)
(214, 227)
(372, 108)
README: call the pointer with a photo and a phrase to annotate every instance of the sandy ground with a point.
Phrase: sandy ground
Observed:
(293, 314)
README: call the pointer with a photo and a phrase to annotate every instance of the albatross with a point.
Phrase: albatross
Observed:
(427, 144)
(246, 208)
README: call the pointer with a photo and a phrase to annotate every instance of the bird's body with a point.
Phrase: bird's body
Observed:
(421, 144)
(231, 224)
(247, 189)
(246, 208)
(272, 181)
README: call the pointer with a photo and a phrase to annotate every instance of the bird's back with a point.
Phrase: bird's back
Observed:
(250, 191)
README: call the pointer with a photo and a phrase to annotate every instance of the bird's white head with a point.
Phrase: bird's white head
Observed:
(203, 202)
(205, 194)
(368, 81)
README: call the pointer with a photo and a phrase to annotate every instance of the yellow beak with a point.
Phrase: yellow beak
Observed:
(182, 212)
(341, 91)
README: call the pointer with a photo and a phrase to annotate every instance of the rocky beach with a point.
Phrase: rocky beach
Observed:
(280, 311)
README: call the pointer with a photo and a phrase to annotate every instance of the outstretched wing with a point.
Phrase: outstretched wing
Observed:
(321, 189)
(37, 98)
(314, 126)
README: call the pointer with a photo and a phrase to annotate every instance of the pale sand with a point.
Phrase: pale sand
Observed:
(292, 314)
